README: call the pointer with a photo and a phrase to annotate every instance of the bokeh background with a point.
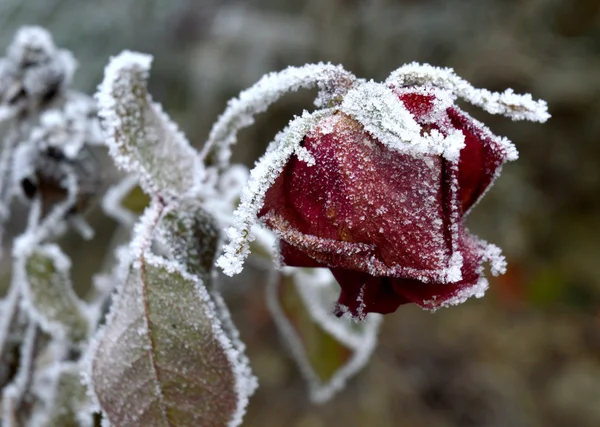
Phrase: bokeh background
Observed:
(528, 354)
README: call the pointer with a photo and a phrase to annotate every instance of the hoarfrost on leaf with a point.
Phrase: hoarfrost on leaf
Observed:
(49, 295)
(145, 368)
(140, 136)
(65, 399)
(333, 82)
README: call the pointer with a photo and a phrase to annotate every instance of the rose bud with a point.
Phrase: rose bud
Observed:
(379, 187)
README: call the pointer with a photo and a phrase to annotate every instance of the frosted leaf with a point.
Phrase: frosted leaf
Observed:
(262, 177)
(31, 45)
(333, 81)
(385, 117)
(191, 237)
(327, 349)
(247, 381)
(65, 401)
(34, 72)
(70, 128)
(163, 357)
(140, 136)
(49, 296)
(507, 103)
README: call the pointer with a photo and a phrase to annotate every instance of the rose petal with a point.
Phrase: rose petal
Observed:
(480, 160)
(432, 295)
(370, 209)
(293, 257)
(362, 294)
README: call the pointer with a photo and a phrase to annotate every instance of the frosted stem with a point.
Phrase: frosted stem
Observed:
(333, 82)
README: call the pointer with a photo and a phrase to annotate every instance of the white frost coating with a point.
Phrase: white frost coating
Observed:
(476, 290)
(29, 44)
(262, 177)
(112, 202)
(493, 255)
(140, 136)
(362, 342)
(517, 107)
(386, 117)
(143, 231)
(53, 395)
(330, 79)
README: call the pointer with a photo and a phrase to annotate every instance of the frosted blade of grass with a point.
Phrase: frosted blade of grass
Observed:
(163, 358)
(507, 103)
(262, 177)
(65, 401)
(49, 294)
(332, 80)
(140, 136)
(327, 350)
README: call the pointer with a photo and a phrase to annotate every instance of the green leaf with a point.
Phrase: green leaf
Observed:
(163, 358)
(192, 237)
(50, 294)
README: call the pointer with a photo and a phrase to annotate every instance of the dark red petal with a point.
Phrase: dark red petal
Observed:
(364, 207)
(433, 295)
(417, 104)
(362, 294)
(480, 160)
(293, 257)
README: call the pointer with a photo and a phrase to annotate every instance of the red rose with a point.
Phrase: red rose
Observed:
(388, 224)
(376, 186)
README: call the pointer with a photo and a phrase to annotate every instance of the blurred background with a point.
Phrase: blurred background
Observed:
(528, 354)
